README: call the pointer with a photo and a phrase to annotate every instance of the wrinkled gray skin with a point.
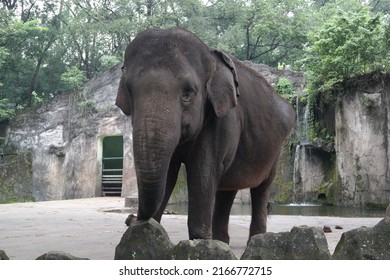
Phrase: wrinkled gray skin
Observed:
(194, 105)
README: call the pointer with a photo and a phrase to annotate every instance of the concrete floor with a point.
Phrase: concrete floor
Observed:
(86, 228)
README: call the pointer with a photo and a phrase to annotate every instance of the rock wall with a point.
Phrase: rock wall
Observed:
(65, 136)
(362, 145)
(355, 171)
(60, 145)
(309, 174)
(15, 178)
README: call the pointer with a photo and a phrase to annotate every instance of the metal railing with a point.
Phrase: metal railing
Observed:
(111, 178)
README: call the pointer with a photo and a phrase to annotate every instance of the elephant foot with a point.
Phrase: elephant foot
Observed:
(224, 237)
(130, 219)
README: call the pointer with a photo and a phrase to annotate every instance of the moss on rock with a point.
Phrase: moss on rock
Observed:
(15, 178)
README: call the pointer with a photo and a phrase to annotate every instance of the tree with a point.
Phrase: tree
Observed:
(7, 110)
(263, 31)
(18, 50)
(349, 45)
(41, 41)
(74, 78)
(382, 6)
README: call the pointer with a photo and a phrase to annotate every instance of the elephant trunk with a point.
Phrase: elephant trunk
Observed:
(154, 145)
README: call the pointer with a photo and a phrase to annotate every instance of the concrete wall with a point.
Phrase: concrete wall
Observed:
(65, 137)
(362, 145)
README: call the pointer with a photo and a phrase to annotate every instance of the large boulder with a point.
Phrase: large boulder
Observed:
(202, 250)
(144, 240)
(301, 243)
(3, 256)
(365, 243)
(308, 243)
(58, 255)
(267, 246)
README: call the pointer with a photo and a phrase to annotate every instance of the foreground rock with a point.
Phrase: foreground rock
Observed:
(58, 255)
(144, 240)
(365, 243)
(388, 211)
(202, 250)
(267, 246)
(302, 243)
(308, 243)
(3, 256)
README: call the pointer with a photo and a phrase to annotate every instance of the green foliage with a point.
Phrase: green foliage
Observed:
(264, 31)
(7, 110)
(46, 45)
(88, 107)
(36, 99)
(15, 178)
(74, 78)
(349, 45)
(285, 88)
(181, 184)
(108, 61)
(3, 55)
(283, 191)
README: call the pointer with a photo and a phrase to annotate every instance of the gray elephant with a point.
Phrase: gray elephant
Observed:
(194, 105)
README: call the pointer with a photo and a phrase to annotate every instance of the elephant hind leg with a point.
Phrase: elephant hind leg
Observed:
(260, 205)
(223, 204)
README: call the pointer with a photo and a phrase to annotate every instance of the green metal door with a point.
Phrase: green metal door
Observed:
(112, 166)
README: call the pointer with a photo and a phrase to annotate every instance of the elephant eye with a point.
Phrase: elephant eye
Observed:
(187, 95)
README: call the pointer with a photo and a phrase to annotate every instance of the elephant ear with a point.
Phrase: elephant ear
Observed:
(123, 100)
(222, 88)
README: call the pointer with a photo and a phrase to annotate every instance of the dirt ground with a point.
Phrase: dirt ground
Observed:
(91, 228)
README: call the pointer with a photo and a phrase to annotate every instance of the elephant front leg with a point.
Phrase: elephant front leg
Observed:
(201, 198)
(223, 204)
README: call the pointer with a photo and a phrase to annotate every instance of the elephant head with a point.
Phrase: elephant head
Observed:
(171, 84)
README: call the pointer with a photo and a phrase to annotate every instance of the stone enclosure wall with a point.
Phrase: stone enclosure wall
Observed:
(362, 145)
(55, 151)
(64, 138)
(354, 169)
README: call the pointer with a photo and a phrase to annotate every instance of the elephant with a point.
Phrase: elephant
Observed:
(197, 106)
